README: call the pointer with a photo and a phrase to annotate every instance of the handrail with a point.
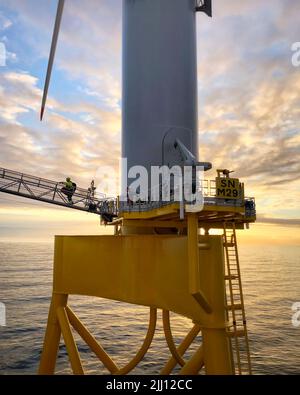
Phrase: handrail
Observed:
(49, 191)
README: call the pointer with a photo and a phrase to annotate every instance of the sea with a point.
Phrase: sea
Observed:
(271, 284)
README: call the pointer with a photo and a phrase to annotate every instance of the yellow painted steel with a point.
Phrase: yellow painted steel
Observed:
(154, 224)
(146, 344)
(230, 188)
(150, 270)
(194, 264)
(91, 342)
(69, 341)
(158, 260)
(217, 354)
(52, 336)
(187, 341)
(171, 211)
(195, 364)
(210, 280)
(134, 269)
(65, 317)
(169, 338)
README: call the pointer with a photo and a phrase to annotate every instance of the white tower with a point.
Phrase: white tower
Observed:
(159, 80)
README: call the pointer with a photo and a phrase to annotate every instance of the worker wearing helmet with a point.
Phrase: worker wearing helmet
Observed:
(69, 189)
(69, 183)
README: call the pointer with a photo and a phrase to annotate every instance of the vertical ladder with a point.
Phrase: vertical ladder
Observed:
(237, 329)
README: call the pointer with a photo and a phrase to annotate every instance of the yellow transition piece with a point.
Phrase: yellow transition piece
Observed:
(181, 274)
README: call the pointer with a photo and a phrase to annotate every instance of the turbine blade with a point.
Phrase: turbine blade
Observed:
(59, 13)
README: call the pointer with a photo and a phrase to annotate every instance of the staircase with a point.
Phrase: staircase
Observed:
(237, 329)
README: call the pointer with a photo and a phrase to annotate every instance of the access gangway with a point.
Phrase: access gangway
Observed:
(51, 192)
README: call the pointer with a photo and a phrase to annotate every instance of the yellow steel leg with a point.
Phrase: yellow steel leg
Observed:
(91, 342)
(145, 346)
(169, 338)
(193, 257)
(187, 341)
(110, 267)
(216, 345)
(52, 336)
(216, 352)
(194, 365)
(69, 341)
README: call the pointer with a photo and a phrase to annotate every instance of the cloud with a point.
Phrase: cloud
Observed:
(5, 22)
(279, 221)
(61, 144)
(249, 94)
(249, 99)
(18, 95)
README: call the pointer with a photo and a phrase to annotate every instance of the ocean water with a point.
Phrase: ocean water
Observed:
(271, 282)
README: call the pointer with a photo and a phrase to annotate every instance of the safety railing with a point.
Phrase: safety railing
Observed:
(48, 191)
(207, 188)
(41, 189)
(42, 183)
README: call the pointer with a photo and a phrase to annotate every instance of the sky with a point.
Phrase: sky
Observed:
(249, 107)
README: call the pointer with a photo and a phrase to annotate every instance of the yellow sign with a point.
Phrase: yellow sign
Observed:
(229, 188)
